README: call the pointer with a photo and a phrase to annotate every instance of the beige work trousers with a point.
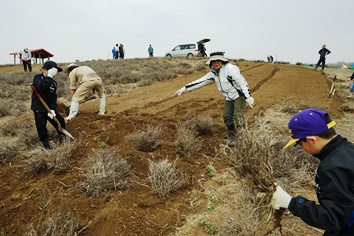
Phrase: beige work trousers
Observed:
(86, 87)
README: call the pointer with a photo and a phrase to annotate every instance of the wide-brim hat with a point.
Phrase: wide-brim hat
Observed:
(216, 56)
(309, 122)
(51, 64)
(71, 65)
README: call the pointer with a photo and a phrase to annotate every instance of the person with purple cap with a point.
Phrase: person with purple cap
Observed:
(47, 88)
(312, 130)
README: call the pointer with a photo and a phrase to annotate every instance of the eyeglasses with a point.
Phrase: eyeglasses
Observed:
(298, 143)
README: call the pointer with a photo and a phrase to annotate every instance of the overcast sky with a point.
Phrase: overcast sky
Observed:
(290, 30)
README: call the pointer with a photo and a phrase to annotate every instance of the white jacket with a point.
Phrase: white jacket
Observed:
(229, 81)
(26, 56)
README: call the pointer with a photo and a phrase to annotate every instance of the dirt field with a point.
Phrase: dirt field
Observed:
(137, 210)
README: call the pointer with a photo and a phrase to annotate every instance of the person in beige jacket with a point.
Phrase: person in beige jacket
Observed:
(83, 80)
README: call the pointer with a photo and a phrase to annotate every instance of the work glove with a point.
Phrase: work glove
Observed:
(179, 92)
(280, 199)
(52, 72)
(51, 115)
(250, 101)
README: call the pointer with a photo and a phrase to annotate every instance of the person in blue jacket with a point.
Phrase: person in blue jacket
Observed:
(150, 51)
(312, 130)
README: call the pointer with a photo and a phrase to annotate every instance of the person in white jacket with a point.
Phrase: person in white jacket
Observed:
(232, 85)
(26, 57)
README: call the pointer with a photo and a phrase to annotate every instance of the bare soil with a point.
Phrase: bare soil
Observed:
(137, 210)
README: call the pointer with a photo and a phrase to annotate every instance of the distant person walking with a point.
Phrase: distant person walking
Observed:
(351, 89)
(151, 51)
(121, 51)
(86, 80)
(323, 52)
(26, 56)
(47, 88)
(232, 85)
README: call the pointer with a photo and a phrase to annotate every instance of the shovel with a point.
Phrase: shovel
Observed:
(49, 111)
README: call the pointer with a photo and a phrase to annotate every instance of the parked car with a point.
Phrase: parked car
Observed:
(186, 50)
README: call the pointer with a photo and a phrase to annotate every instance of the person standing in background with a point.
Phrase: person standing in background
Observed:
(26, 56)
(323, 52)
(116, 51)
(151, 51)
(121, 51)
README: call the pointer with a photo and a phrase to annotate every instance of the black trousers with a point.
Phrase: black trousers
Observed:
(323, 61)
(25, 64)
(41, 119)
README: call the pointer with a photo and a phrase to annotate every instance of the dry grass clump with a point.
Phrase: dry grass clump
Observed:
(199, 124)
(58, 224)
(188, 131)
(146, 141)
(259, 160)
(57, 160)
(104, 169)
(165, 178)
(292, 109)
(186, 141)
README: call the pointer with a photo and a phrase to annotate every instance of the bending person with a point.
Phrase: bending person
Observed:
(83, 80)
(232, 85)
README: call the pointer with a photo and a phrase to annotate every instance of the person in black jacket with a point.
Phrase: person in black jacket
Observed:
(47, 89)
(313, 131)
(323, 52)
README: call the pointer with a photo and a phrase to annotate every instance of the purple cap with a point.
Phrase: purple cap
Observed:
(308, 122)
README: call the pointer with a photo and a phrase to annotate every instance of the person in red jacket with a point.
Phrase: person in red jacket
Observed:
(312, 130)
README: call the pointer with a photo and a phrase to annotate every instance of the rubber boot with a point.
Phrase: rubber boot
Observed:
(74, 109)
(102, 106)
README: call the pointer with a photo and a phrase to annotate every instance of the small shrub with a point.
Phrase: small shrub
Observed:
(165, 178)
(186, 141)
(104, 169)
(146, 141)
(58, 159)
(60, 223)
(208, 227)
(211, 170)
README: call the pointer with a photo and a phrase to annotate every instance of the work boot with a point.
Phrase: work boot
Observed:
(102, 106)
(231, 138)
(46, 145)
(74, 109)
(61, 138)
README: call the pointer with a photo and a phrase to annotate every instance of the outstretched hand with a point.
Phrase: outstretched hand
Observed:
(180, 91)
(250, 101)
